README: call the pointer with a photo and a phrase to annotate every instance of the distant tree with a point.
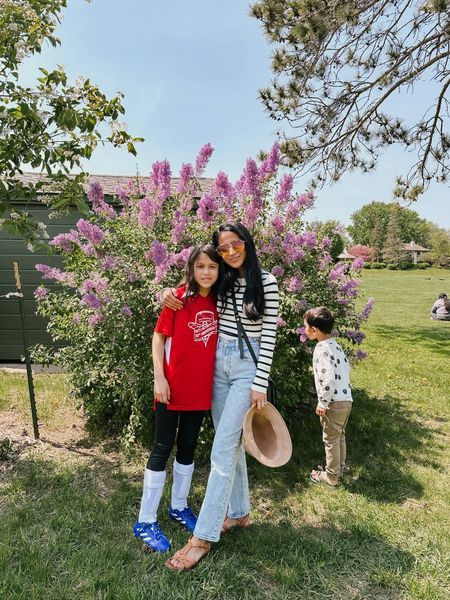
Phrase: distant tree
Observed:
(439, 244)
(392, 249)
(337, 65)
(360, 251)
(53, 126)
(376, 240)
(377, 214)
(334, 231)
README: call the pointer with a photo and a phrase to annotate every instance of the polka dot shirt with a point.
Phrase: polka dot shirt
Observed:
(331, 373)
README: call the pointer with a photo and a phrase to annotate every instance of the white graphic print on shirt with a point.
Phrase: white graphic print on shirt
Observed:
(204, 326)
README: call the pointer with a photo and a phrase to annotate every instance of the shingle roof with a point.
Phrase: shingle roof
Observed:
(412, 246)
(346, 255)
(110, 182)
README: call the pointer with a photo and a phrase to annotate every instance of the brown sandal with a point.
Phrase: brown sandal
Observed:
(230, 523)
(322, 477)
(186, 563)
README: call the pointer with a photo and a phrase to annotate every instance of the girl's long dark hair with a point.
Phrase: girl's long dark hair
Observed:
(192, 287)
(254, 302)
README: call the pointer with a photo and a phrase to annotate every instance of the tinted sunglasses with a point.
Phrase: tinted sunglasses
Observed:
(237, 245)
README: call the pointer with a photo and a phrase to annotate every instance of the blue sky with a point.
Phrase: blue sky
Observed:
(190, 71)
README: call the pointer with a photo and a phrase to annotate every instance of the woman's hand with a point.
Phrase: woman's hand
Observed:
(259, 398)
(162, 390)
(169, 299)
(321, 412)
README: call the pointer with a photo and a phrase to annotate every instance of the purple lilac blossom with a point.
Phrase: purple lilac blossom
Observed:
(179, 224)
(122, 195)
(207, 208)
(126, 310)
(91, 232)
(360, 355)
(270, 165)
(337, 272)
(280, 322)
(179, 259)
(366, 310)
(76, 319)
(309, 239)
(158, 253)
(223, 189)
(301, 332)
(278, 271)
(109, 263)
(65, 241)
(95, 319)
(99, 206)
(97, 283)
(350, 288)
(147, 212)
(358, 263)
(54, 273)
(91, 300)
(355, 335)
(40, 292)
(132, 277)
(326, 242)
(294, 284)
(186, 173)
(278, 225)
(203, 158)
(284, 189)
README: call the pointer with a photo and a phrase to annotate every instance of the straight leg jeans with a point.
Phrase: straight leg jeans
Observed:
(227, 486)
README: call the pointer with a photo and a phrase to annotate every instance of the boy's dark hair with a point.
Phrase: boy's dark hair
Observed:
(189, 279)
(321, 318)
(443, 296)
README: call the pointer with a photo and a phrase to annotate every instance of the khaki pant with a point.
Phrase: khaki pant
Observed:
(333, 425)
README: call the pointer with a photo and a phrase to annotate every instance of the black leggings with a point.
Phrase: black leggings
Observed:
(188, 423)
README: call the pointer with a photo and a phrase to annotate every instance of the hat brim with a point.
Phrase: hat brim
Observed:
(266, 436)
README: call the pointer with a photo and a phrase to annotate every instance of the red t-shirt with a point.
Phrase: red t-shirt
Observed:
(190, 351)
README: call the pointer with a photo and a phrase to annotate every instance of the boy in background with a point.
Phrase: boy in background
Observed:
(334, 397)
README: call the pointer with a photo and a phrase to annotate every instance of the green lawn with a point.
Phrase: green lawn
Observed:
(67, 505)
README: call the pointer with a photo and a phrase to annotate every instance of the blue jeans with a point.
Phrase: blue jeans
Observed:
(228, 483)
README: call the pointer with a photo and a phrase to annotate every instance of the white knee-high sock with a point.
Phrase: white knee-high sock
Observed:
(151, 495)
(182, 477)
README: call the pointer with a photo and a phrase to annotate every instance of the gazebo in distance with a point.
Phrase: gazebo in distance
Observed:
(346, 256)
(414, 250)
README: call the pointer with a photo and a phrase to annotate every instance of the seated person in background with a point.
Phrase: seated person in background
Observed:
(440, 311)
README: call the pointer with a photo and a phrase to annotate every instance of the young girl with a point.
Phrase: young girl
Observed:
(183, 347)
(238, 383)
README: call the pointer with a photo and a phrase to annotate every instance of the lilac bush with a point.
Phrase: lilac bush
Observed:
(105, 307)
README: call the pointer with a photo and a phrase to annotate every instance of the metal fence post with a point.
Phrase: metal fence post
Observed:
(26, 351)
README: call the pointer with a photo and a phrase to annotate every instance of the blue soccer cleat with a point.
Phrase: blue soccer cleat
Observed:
(186, 517)
(152, 536)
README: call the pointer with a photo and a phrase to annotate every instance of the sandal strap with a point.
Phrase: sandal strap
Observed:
(182, 557)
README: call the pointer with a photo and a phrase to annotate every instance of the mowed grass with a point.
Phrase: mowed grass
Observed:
(67, 507)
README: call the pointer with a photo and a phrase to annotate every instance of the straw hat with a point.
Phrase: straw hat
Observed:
(266, 436)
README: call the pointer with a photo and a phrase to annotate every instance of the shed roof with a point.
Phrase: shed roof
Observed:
(109, 183)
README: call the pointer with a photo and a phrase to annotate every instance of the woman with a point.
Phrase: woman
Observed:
(238, 383)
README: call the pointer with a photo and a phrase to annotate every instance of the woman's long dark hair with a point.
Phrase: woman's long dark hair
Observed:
(192, 287)
(254, 301)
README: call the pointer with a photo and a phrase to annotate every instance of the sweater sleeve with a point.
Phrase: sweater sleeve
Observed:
(325, 378)
(268, 333)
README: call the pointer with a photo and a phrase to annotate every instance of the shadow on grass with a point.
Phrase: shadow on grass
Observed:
(66, 529)
(383, 441)
(434, 337)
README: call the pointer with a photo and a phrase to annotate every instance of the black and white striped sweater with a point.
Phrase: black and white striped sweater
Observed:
(265, 328)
